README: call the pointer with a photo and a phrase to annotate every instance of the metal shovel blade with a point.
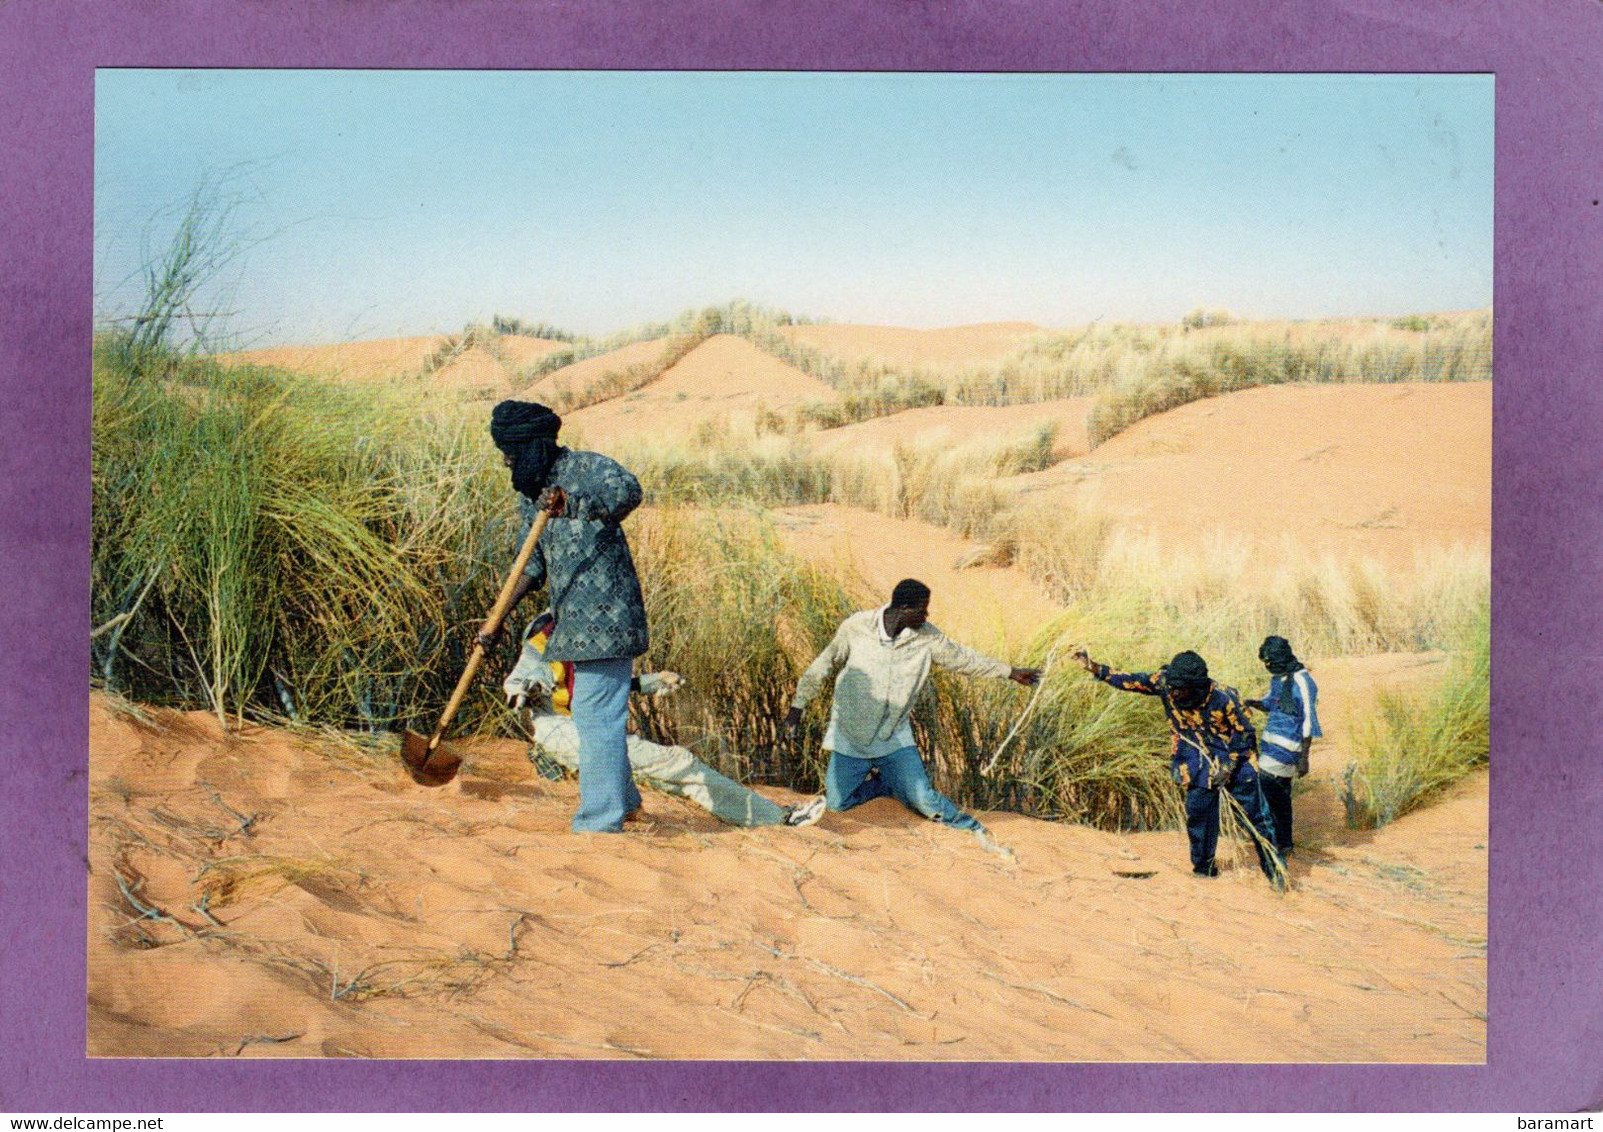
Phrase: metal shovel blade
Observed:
(428, 766)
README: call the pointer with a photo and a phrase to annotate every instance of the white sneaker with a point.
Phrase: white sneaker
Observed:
(807, 813)
(983, 836)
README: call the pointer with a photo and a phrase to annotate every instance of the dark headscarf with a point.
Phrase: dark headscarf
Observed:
(527, 432)
(1187, 679)
(1276, 654)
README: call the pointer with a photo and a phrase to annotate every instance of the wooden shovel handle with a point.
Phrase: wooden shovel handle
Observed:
(497, 612)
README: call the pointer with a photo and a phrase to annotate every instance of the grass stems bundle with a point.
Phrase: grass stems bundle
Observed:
(1083, 753)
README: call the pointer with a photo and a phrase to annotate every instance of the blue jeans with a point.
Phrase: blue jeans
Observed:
(601, 713)
(851, 781)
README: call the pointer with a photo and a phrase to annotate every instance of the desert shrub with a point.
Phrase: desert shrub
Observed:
(502, 324)
(1062, 547)
(883, 399)
(725, 469)
(1081, 752)
(739, 617)
(1416, 745)
(1199, 318)
(262, 543)
(1328, 607)
(1138, 370)
(1208, 363)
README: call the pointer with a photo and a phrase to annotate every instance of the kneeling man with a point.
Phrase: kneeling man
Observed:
(884, 656)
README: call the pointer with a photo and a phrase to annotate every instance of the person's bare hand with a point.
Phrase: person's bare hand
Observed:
(1025, 676)
(1083, 659)
(553, 500)
(790, 726)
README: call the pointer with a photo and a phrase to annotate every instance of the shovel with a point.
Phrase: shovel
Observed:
(425, 760)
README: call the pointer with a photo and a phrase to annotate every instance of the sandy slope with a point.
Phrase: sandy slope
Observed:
(990, 606)
(1376, 471)
(472, 369)
(724, 379)
(575, 377)
(321, 905)
(375, 358)
(955, 424)
(498, 366)
(902, 346)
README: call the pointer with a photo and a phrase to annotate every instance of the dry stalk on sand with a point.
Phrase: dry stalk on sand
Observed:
(836, 972)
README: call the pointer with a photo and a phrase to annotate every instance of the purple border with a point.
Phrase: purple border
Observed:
(1547, 911)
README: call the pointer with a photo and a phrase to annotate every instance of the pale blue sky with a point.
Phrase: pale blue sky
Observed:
(412, 202)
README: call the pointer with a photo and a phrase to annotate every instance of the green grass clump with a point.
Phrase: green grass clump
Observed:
(268, 544)
(739, 617)
(1417, 745)
(1083, 753)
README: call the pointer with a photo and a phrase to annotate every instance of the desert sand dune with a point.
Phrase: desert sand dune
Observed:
(575, 377)
(724, 379)
(287, 897)
(473, 368)
(1354, 471)
(265, 893)
(497, 366)
(902, 346)
(519, 350)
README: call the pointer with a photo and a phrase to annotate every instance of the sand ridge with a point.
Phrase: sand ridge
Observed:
(574, 378)
(389, 358)
(360, 361)
(902, 346)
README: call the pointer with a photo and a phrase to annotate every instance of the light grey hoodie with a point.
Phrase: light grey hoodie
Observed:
(879, 679)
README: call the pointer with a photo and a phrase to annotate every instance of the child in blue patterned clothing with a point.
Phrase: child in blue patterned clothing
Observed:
(1292, 704)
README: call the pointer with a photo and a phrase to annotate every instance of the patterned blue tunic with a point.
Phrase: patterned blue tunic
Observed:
(1211, 741)
(583, 558)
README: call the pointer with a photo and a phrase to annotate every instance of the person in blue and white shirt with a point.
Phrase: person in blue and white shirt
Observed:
(1292, 704)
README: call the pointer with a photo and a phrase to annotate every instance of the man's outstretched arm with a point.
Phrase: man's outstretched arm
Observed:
(1146, 683)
